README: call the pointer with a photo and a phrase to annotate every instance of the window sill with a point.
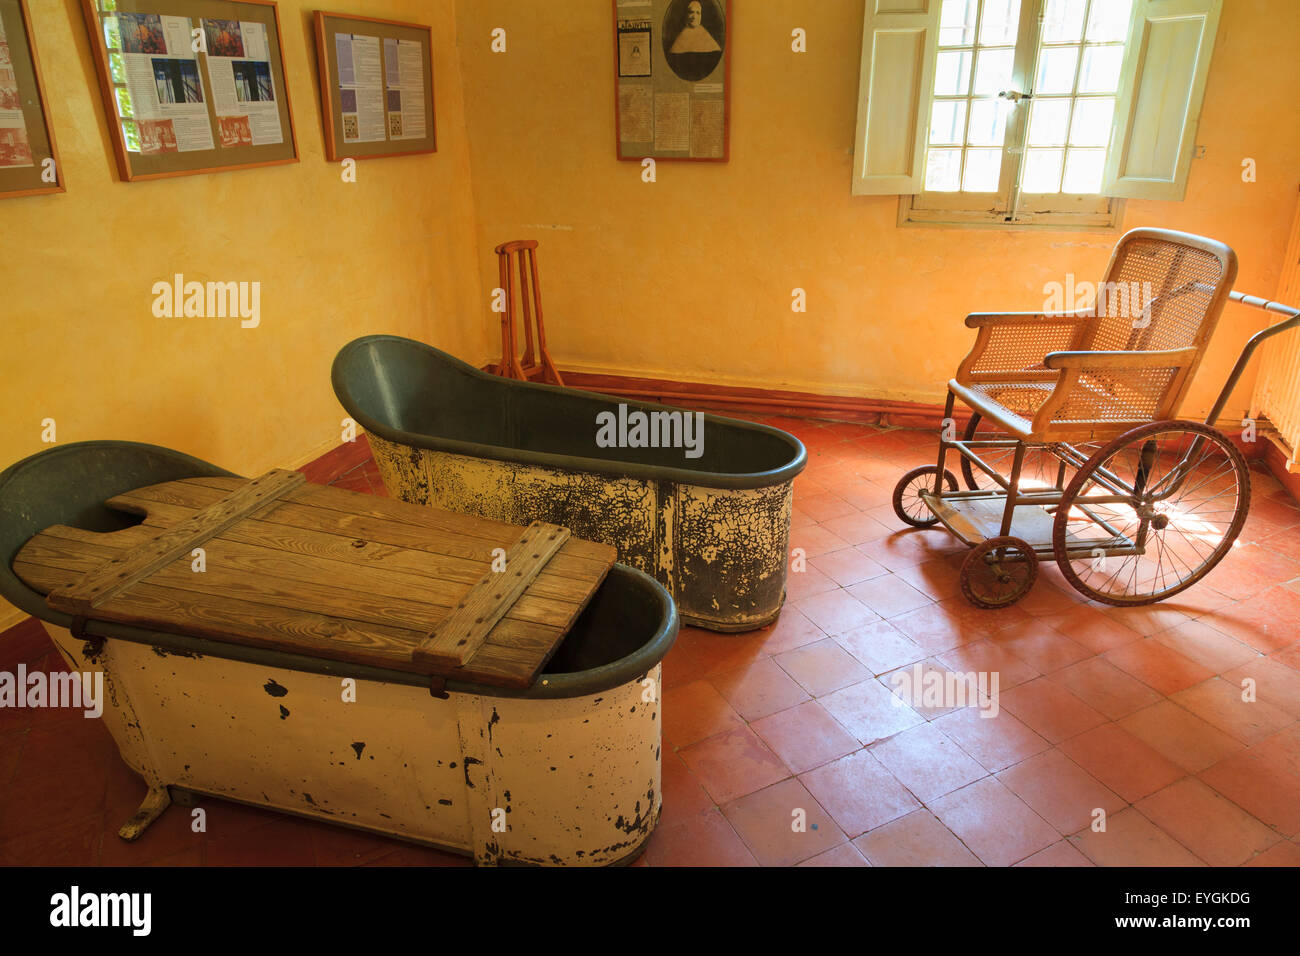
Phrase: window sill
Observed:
(1088, 221)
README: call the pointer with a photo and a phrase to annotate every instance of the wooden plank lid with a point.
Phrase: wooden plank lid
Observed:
(280, 564)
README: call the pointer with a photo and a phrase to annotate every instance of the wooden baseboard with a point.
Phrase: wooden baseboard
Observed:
(763, 401)
(338, 461)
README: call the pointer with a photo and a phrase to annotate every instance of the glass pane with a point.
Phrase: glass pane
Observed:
(1000, 22)
(947, 121)
(1091, 124)
(993, 71)
(943, 170)
(988, 122)
(1100, 70)
(1083, 169)
(957, 23)
(982, 168)
(952, 73)
(1108, 20)
(131, 135)
(1048, 121)
(1056, 70)
(1042, 171)
(1063, 21)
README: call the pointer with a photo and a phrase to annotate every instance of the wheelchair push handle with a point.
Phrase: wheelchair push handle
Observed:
(1291, 321)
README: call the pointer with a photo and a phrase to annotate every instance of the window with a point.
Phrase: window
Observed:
(1030, 111)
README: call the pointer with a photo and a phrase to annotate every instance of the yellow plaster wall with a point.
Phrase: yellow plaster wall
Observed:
(691, 277)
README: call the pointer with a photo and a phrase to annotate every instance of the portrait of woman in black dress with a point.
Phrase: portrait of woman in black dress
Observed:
(694, 36)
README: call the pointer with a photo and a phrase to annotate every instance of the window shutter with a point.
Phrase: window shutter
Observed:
(899, 38)
(1160, 93)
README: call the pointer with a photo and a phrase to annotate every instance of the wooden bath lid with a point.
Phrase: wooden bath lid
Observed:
(327, 573)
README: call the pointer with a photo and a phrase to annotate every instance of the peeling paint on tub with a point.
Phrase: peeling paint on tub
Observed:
(274, 689)
(721, 553)
(549, 762)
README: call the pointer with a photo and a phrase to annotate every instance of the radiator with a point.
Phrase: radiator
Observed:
(1277, 388)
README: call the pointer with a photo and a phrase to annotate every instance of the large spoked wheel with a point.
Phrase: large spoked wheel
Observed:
(907, 495)
(1180, 492)
(998, 572)
(1041, 467)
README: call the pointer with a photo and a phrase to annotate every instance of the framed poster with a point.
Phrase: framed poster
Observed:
(376, 86)
(29, 160)
(192, 86)
(672, 60)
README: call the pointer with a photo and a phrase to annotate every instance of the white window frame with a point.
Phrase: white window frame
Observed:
(1152, 136)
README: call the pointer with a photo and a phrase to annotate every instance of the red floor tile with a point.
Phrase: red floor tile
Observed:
(1180, 736)
(995, 742)
(1207, 646)
(783, 824)
(1063, 853)
(733, 764)
(805, 736)
(1158, 666)
(836, 611)
(927, 762)
(1266, 621)
(1121, 761)
(1130, 839)
(889, 595)
(706, 839)
(697, 711)
(1060, 791)
(1104, 687)
(843, 855)
(847, 567)
(995, 824)
(880, 647)
(1220, 703)
(858, 792)
(917, 839)
(1216, 830)
(1275, 683)
(1050, 709)
(758, 690)
(1266, 788)
(792, 629)
(822, 667)
(869, 711)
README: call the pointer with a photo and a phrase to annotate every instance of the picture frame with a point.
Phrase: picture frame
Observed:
(192, 86)
(29, 157)
(672, 76)
(376, 86)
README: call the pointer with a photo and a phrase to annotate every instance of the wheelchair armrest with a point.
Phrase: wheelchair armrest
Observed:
(979, 319)
(1168, 358)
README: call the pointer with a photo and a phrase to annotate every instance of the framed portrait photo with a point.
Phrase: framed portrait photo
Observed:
(376, 85)
(673, 69)
(29, 160)
(192, 86)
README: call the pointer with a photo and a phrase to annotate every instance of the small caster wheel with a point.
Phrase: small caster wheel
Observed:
(907, 495)
(998, 572)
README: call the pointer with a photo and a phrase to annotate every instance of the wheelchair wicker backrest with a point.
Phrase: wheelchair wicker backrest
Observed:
(1162, 293)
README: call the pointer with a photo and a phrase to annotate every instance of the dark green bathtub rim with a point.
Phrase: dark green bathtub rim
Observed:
(570, 463)
(14, 533)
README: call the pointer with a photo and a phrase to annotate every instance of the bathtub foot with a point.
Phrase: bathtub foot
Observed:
(155, 802)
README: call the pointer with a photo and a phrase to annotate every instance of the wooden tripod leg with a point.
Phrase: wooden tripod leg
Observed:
(155, 802)
(549, 372)
(529, 361)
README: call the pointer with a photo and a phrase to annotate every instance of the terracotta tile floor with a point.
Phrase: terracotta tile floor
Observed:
(1133, 712)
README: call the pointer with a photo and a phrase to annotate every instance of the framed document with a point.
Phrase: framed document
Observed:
(192, 86)
(672, 61)
(29, 161)
(376, 86)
